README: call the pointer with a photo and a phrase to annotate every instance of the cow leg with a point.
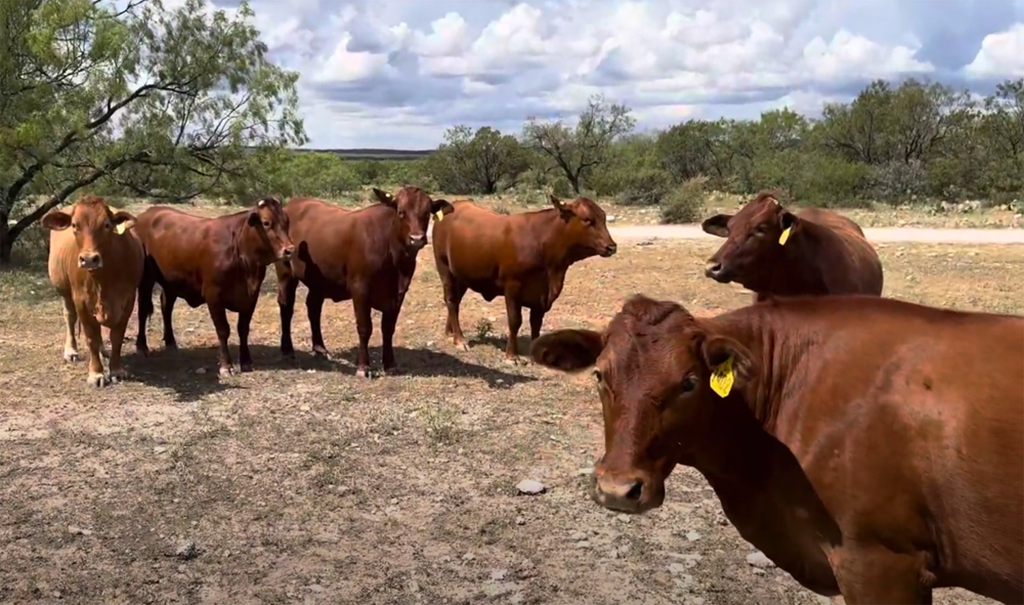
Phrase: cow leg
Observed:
(145, 310)
(117, 369)
(364, 329)
(388, 321)
(314, 309)
(244, 357)
(536, 321)
(220, 323)
(286, 287)
(167, 312)
(515, 320)
(71, 322)
(454, 291)
(94, 340)
(869, 575)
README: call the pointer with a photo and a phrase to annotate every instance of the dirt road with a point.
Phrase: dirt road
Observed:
(875, 234)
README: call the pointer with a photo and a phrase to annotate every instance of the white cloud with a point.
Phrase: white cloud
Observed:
(396, 73)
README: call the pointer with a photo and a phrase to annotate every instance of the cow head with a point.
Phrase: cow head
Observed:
(754, 239)
(653, 367)
(271, 225)
(413, 209)
(585, 226)
(95, 227)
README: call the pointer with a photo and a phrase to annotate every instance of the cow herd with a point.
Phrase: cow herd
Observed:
(872, 448)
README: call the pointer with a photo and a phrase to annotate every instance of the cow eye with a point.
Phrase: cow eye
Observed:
(107, 225)
(588, 222)
(760, 230)
(689, 384)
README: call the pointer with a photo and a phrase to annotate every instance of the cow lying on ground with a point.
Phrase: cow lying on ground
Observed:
(523, 257)
(367, 255)
(219, 262)
(870, 447)
(95, 263)
(769, 250)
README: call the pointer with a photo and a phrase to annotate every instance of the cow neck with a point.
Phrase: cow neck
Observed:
(397, 250)
(249, 247)
(800, 262)
(558, 254)
(762, 488)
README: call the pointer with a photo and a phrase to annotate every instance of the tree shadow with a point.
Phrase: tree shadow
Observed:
(191, 373)
(421, 362)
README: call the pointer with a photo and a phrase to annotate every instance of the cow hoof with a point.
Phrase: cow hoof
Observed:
(119, 375)
(245, 367)
(97, 380)
(227, 371)
(516, 361)
(71, 356)
(462, 346)
(364, 373)
(143, 350)
(288, 354)
(170, 346)
(393, 371)
(320, 352)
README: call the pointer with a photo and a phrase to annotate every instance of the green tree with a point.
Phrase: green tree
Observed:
(578, 151)
(166, 104)
(476, 162)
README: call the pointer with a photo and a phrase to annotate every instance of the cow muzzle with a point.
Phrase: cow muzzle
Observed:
(630, 493)
(90, 261)
(609, 250)
(417, 242)
(716, 271)
(287, 253)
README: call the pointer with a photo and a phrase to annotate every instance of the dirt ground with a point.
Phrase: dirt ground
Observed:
(299, 483)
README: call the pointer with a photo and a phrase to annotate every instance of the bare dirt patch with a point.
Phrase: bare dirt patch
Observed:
(299, 483)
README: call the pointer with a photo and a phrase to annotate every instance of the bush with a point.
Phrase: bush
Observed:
(645, 187)
(685, 203)
(831, 182)
(896, 182)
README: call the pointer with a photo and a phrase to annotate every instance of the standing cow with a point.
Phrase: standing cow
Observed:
(95, 263)
(523, 257)
(219, 262)
(771, 251)
(870, 447)
(367, 255)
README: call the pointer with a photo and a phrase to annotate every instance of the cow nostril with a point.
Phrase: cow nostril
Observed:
(635, 491)
(713, 268)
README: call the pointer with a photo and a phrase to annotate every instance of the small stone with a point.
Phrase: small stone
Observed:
(613, 554)
(587, 470)
(530, 487)
(304, 408)
(201, 371)
(520, 521)
(758, 559)
(316, 588)
(187, 551)
(693, 536)
(468, 556)
(624, 518)
(583, 544)
(499, 574)
(72, 529)
(676, 568)
(159, 449)
(578, 535)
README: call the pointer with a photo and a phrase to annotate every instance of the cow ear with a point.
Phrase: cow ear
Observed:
(56, 221)
(789, 223)
(567, 350)
(123, 221)
(717, 225)
(442, 206)
(384, 197)
(254, 218)
(561, 206)
(730, 364)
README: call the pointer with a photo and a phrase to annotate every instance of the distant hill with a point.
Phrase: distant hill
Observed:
(374, 154)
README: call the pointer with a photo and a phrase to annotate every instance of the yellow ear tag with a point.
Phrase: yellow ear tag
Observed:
(439, 215)
(722, 378)
(785, 236)
(120, 228)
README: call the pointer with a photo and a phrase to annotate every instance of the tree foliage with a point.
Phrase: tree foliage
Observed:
(477, 162)
(160, 103)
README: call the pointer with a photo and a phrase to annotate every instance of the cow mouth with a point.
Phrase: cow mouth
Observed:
(608, 250)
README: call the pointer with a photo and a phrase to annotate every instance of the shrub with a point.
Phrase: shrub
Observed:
(685, 203)
(645, 187)
(896, 182)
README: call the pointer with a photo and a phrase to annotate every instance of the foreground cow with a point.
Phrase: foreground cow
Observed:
(95, 265)
(869, 447)
(523, 257)
(219, 262)
(769, 250)
(367, 255)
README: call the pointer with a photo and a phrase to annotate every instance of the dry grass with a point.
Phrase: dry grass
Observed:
(299, 483)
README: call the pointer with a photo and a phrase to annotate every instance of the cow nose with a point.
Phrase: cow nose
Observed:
(90, 261)
(622, 495)
(288, 252)
(418, 241)
(713, 269)
(610, 249)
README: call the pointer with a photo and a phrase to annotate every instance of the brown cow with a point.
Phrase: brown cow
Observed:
(870, 447)
(367, 255)
(770, 250)
(523, 257)
(96, 266)
(219, 262)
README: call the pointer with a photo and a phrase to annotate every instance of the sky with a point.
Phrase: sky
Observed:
(397, 73)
